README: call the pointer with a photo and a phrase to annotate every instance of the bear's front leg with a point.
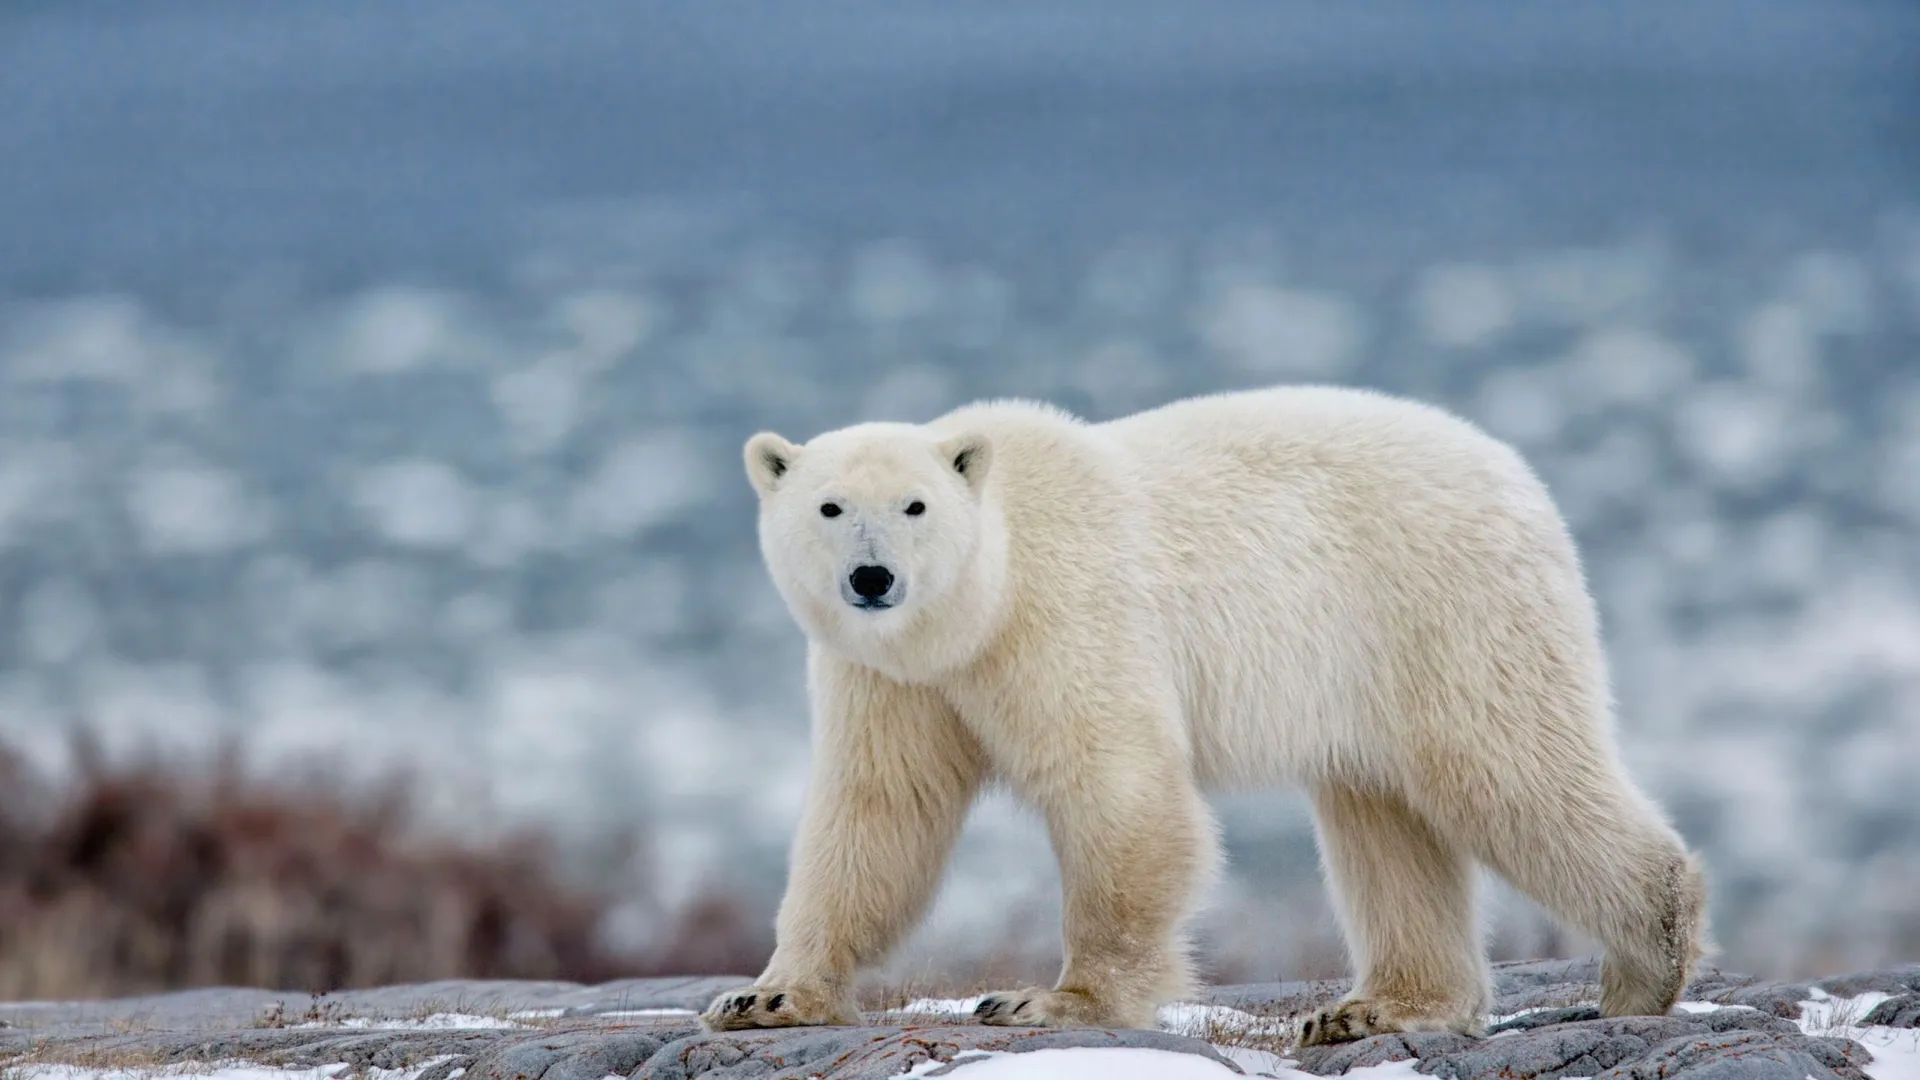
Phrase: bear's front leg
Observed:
(1136, 845)
(893, 775)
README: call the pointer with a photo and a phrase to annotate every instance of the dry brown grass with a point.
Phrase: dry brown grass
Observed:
(153, 875)
(123, 1061)
(890, 997)
(1273, 1033)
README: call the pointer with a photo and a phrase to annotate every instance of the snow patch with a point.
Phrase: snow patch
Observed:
(1198, 1021)
(1896, 1051)
(940, 1006)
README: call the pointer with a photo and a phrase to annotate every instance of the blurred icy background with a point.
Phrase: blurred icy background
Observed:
(372, 377)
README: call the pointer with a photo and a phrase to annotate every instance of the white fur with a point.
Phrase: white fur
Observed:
(1336, 589)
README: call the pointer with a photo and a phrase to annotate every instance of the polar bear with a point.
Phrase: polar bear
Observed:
(1320, 586)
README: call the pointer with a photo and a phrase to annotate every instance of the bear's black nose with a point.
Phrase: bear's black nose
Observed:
(871, 582)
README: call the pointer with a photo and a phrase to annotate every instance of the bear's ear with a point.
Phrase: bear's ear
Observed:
(769, 457)
(969, 455)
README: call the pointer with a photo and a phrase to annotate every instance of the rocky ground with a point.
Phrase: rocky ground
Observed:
(1858, 1027)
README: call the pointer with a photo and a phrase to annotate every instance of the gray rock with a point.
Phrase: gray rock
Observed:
(873, 1053)
(202, 1009)
(1774, 998)
(517, 1060)
(446, 1067)
(1567, 1042)
(568, 1055)
(567, 1031)
(1517, 986)
(225, 1007)
(605, 1055)
(1544, 1017)
(1575, 1042)
(1746, 1055)
(692, 993)
(1902, 1011)
(1898, 980)
(15, 1042)
(1708, 979)
(1422, 1047)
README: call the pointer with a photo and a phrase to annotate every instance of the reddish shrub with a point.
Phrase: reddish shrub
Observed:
(151, 876)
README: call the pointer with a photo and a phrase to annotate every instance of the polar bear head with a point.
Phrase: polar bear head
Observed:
(871, 531)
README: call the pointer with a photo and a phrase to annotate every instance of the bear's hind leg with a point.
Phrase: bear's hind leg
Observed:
(1405, 898)
(1645, 974)
(1597, 854)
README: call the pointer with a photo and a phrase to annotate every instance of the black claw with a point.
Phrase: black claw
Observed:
(1024, 1002)
(742, 1003)
(986, 1008)
(774, 1002)
(1306, 1031)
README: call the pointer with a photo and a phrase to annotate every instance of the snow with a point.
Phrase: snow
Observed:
(1706, 1007)
(1199, 1020)
(1181, 1018)
(1258, 1062)
(932, 1064)
(940, 1006)
(1501, 1018)
(615, 1014)
(1896, 1051)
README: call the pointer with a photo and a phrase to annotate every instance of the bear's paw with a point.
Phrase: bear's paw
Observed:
(1048, 1008)
(1361, 1018)
(778, 1006)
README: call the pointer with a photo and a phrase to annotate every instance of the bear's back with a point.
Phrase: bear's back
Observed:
(1315, 546)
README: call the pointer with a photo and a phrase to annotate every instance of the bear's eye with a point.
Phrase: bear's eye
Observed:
(829, 509)
(916, 508)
